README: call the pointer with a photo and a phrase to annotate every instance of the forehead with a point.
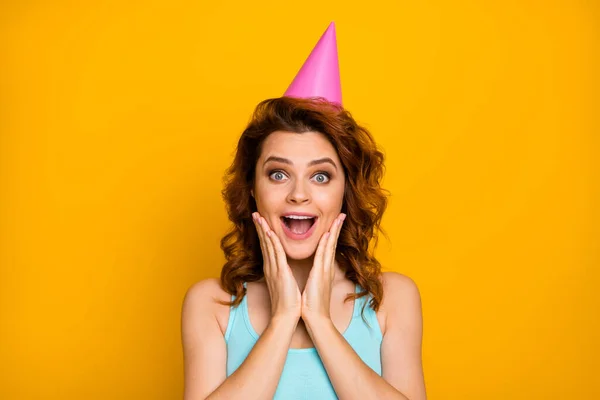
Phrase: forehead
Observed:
(298, 146)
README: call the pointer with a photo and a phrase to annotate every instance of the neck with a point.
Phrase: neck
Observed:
(301, 269)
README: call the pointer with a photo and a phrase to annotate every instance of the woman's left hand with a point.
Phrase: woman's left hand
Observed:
(316, 298)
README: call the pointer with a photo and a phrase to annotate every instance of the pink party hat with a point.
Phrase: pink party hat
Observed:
(320, 73)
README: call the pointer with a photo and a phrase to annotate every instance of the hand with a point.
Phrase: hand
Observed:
(283, 289)
(316, 299)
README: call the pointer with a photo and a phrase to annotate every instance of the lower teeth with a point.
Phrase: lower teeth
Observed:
(295, 229)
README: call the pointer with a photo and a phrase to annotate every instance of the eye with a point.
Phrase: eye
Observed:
(322, 177)
(277, 175)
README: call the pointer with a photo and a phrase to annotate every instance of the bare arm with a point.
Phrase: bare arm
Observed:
(205, 353)
(402, 369)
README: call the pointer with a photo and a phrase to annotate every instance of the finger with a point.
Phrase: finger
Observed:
(262, 240)
(330, 247)
(337, 236)
(269, 245)
(256, 218)
(268, 255)
(320, 254)
(279, 251)
(338, 231)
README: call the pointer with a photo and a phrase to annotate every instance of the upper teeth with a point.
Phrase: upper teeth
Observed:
(298, 217)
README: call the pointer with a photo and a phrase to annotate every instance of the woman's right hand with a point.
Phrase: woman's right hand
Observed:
(286, 300)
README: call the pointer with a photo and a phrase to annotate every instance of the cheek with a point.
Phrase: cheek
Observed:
(267, 197)
(331, 198)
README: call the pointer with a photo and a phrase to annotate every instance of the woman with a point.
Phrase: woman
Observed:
(302, 309)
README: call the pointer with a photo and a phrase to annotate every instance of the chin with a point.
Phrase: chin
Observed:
(300, 257)
(300, 252)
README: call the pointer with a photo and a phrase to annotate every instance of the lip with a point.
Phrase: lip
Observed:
(300, 214)
(295, 236)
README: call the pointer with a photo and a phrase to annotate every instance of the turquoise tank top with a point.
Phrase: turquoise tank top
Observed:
(304, 375)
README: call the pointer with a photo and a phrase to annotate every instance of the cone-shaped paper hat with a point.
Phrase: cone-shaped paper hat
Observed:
(320, 74)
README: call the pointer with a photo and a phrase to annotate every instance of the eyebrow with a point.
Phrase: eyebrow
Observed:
(311, 163)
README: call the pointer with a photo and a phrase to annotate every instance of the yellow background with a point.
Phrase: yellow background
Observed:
(118, 119)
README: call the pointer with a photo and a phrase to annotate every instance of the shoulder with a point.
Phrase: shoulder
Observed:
(395, 283)
(203, 344)
(206, 291)
(402, 344)
(202, 299)
(401, 299)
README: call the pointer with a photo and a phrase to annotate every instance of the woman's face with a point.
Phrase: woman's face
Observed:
(299, 173)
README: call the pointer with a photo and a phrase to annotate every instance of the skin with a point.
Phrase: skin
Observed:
(299, 188)
(300, 301)
(299, 274)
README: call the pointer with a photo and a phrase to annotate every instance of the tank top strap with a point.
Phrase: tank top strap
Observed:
(362, 301)
(370, 316)
(358, 303)
(230, 321)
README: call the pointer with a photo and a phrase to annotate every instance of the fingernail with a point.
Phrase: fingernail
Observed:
(343, 217)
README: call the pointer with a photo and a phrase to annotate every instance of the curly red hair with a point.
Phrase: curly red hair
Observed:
(364, 199)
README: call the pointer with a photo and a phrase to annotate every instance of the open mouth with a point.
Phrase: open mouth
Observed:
(298, 226)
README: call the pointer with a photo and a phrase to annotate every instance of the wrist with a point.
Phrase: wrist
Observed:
(316, 322)
(284, 321)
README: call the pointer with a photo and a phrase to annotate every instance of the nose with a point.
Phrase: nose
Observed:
(298, 193)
